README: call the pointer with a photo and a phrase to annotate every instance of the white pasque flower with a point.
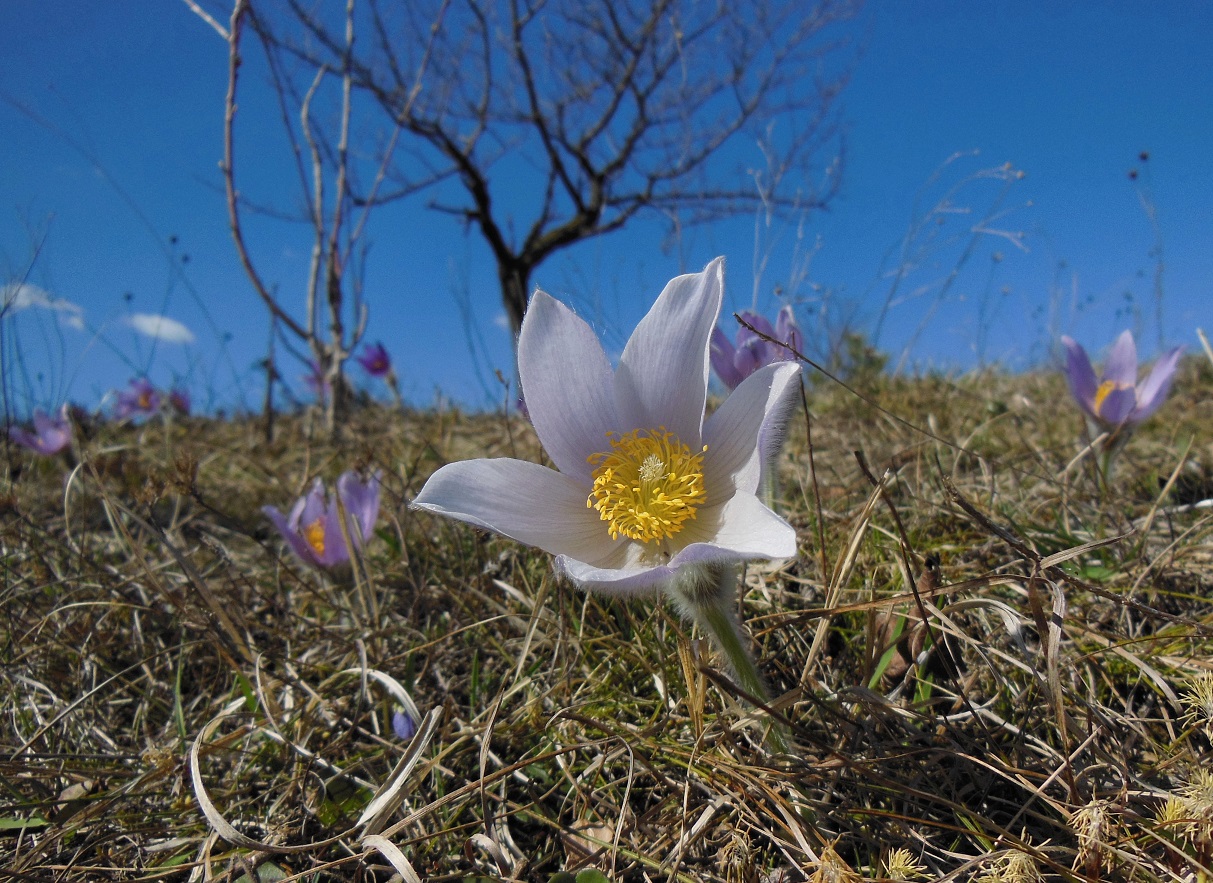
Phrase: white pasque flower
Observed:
(645, 485)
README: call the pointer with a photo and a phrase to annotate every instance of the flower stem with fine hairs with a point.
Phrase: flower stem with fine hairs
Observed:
(706, 595)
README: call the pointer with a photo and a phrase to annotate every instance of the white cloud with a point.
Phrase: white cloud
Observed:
(160, 327)
(18, 296)
(502, 321)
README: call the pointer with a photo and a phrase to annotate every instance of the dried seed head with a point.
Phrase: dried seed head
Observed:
(1012, 867)
(900, 865)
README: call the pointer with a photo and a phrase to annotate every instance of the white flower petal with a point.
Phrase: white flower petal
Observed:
(566, 383)
(622, 574)
(754, 413)
(523, 501)
(740, 528)
(662, 379)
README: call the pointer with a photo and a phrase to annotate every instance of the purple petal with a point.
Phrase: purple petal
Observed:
(787, 331)
(314, 506)
(722, 352)
(662, 379)
(42, 422)
(375, 360)
(336, 550)
(297, 543)
(179, 400)
(753, 350)
(403, 725)
(26, 439)
(1121, 366)
(523, 501)
(1117, 405)
(1153, 392)
(566, 380)
(758, 323)
(752, 354)
(1080, 375)
(50, 436)
(296, 514)
(361, 501)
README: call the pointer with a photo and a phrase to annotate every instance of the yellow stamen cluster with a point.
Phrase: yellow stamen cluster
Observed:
(647, 485)
(1105, 389)
(314, 535)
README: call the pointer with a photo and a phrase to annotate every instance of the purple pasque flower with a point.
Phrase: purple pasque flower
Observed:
(403, 724)
(1116, 398)
(375, 360)
(644, 486)
(313, 527)
(733, 363)
(140, 398)
(179, 400)
(50, 436)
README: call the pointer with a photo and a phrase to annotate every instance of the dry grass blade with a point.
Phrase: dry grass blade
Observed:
(218, 823)
(842, 574)
(395, 857)
(389, 797)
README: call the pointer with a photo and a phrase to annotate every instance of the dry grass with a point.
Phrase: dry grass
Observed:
(1040, 707)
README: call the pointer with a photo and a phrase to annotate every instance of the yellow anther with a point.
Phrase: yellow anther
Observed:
(647, 485)
(314, 535)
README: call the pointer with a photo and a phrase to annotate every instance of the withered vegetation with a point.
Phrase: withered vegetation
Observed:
(994, 663)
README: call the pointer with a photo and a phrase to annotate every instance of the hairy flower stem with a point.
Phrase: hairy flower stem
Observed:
(707, 596)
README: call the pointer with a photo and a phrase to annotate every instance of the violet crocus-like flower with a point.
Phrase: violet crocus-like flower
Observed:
(138, 399)
(644, 485)
(50, 436)
(733, 363)
(313, 527)
(179, 400)
(375, 360)
(1115, 398)
(403, 724)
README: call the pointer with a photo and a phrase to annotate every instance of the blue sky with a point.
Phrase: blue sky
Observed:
(111, 202)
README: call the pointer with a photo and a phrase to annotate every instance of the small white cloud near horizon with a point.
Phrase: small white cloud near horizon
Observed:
(17, 296)
(160, 327)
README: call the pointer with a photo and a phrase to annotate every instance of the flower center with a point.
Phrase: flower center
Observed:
(1105, 389)
(647, 485)
(314, 535)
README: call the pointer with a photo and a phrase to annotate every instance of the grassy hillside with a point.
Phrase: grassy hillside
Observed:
(995, 665)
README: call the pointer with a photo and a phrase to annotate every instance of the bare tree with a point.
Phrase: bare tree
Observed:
(328, 169)
(543, 123)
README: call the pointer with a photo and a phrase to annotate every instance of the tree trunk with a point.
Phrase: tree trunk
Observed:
(515, 282)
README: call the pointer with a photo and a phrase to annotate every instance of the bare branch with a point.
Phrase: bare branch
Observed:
(608, 109)
(239, 13)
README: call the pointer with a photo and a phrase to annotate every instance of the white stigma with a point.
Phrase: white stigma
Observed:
(652, 468)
